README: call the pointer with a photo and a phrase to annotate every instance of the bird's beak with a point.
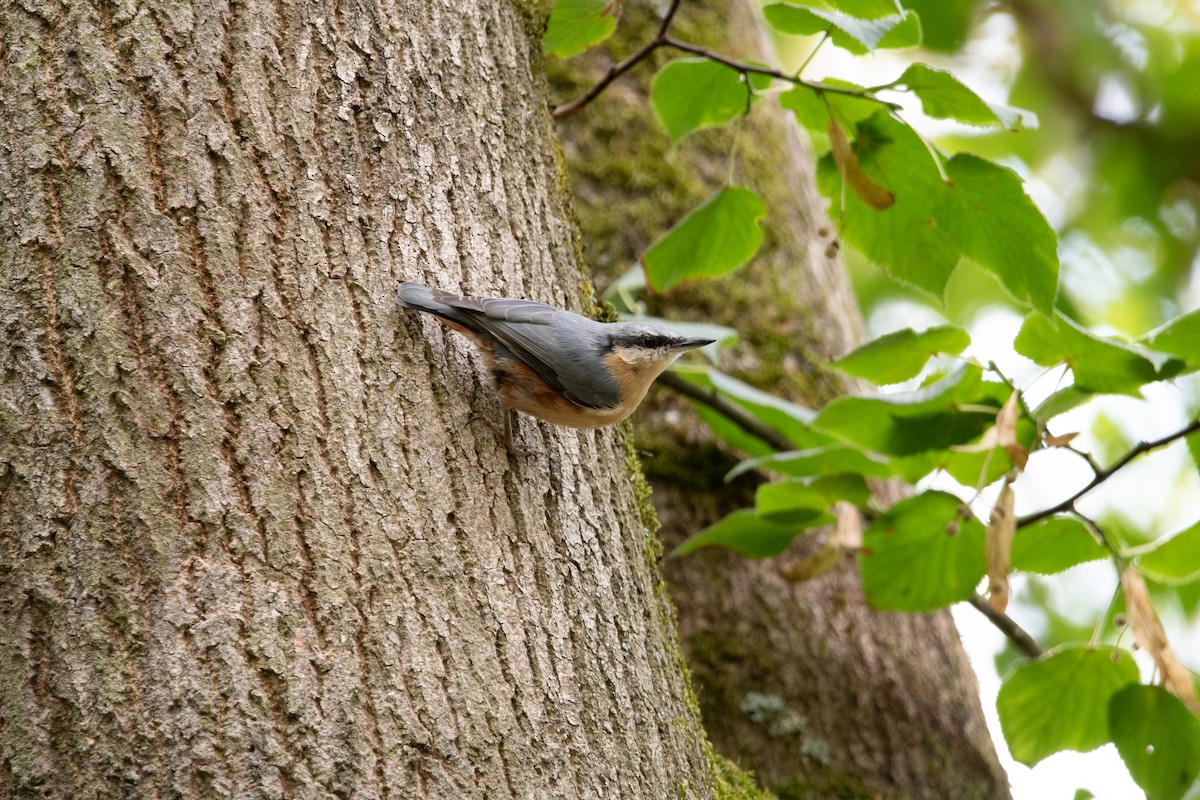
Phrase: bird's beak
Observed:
(692, 344)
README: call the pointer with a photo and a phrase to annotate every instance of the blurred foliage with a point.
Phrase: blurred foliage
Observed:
(1088, 223)
(1116, 86)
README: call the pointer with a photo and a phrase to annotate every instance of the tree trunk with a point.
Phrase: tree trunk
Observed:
(805, 684)
(249, 544)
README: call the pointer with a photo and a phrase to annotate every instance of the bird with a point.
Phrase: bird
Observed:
(553, 364)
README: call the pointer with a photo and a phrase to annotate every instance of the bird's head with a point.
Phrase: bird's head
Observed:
(644, 345)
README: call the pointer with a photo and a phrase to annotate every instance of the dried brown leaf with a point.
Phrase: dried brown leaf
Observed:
(847, 162)
(1006, 431)
(1061, 440)
(1152, 637)
(1002, 526)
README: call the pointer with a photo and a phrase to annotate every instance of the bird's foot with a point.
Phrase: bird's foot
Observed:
(505, 435)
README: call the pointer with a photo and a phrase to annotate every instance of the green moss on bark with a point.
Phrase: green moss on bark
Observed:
(730, 782)
(533, 14)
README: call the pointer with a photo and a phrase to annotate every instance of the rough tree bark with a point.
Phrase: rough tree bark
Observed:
(805, 684)
(249, 545)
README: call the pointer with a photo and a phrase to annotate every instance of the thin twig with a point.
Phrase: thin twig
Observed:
(663, 39)
(668, 18)
(620, 68)
(1099, 533)
(1088, 457)
(1104, 474)
(614, 72)
(735, 413)
(1008, 626)
(755, 69)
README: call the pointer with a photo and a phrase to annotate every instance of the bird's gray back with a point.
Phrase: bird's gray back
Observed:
(564, 348)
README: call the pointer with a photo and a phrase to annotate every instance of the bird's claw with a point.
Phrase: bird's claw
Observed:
(505, 436)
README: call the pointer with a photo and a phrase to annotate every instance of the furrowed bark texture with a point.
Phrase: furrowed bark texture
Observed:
(804, 684)
(249, 544)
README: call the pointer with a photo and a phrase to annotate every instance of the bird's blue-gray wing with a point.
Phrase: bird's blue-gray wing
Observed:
(565, 349)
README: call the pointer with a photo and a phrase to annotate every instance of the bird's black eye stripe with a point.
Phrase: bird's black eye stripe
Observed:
(649, 341)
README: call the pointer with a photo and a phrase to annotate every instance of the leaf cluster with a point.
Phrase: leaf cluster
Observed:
(920, 213)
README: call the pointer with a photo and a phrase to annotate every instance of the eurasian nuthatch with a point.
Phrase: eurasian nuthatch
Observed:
(553, 364)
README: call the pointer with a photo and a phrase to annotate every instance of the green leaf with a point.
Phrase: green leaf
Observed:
(1158, 739)
(1180, 337)
(905, 33)
(1099, 364)
(846, 486)
(849, 109)
(1054, 544)
(989, 218)
(907, 423)
(931, 428)
(1062, 401)
(1060, 701)
(968, 463)
(982, 212)
(973, 468)
(576, 25)
(905, 238)
(1176, 561)
(921, 555)
(746, 533)
(759, 82)
(729, 431)
(693, 93)
(813, 103)
(790, 419)
(827, 460)
(943, 96)
(808, 107)
(718, 237)
(859, 35)
(864, 9)
(789, 503)
(901, 355)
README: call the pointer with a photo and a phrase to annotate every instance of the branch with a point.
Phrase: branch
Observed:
(1099, 533)
(735, 413)
(620, 68)
(662, 39)
(1008, 626)
(754, 69)
(1104, 474)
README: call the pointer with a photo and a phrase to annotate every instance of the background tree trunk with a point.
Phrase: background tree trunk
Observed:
(805, 684)
(249, 545)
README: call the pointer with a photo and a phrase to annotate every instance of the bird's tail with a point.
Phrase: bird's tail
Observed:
(414, 295)
(435, 301)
